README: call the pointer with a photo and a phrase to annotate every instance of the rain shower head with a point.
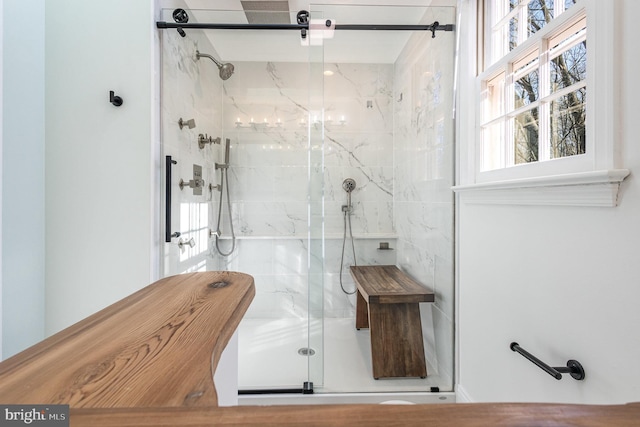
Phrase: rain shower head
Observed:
(226, 70)
(348, 185)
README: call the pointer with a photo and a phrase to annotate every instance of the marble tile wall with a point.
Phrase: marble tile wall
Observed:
(423, 177)
(267, 117)
(191, 89)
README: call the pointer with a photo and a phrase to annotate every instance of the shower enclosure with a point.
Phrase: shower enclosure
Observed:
(302, 114)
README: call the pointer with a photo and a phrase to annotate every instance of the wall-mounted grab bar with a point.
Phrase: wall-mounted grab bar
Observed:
(167, 203)
(574, 368)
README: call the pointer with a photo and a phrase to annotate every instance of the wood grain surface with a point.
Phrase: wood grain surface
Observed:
(432, 415)
(387, 303)
(397, 348)
(158, 347)
(387, 284)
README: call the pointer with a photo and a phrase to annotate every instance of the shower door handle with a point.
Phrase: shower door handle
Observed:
(167, 204)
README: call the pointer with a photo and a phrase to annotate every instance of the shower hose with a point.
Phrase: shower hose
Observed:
(224, 177)
(347, 219)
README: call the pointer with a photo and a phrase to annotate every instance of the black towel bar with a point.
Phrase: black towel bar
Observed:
(574, 368)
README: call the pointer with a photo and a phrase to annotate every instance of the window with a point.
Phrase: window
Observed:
(545, 109)
(534, 92)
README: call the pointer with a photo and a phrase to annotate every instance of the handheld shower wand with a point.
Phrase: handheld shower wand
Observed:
(348, 185)
(224, 184)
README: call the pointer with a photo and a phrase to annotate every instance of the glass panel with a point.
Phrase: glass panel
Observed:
(295, 134)
(316, 145)
(526, 131)
(568, 124)
(540, 13)
(499, 42)
(492, 152)
(513, 33)
(394, 91)
(569, 67)
(500, 9)
(493, 98)
(526, 89)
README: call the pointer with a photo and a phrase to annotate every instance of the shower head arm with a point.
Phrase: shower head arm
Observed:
(215, 61)
(226, 70)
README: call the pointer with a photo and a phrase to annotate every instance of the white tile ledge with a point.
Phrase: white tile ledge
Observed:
(328, 236)
(597, 188)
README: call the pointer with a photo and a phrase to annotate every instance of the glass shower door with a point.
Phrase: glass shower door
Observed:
(316, 207)
(271, 110)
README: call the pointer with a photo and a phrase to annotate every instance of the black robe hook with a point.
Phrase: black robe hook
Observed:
(114, 99)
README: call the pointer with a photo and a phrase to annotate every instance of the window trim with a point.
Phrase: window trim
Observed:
(602, 162)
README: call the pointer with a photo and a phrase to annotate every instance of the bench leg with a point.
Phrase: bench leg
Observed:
(397, 349)
(362, 312)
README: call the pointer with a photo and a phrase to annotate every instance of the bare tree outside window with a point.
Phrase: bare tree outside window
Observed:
(567, 113)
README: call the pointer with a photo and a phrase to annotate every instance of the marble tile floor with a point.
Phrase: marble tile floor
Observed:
(269, 359)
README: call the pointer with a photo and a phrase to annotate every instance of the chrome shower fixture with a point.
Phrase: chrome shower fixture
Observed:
(226, 70)
(348, 185)
(184, 242)
(205, 139)
(191, 123)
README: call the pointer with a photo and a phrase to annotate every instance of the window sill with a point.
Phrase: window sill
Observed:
(598, 188)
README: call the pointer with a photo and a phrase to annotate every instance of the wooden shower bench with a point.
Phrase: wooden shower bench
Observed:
(388, 304)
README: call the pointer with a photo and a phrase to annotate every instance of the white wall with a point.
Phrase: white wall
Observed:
(22, 175)
(1, 168)
(99, 194)
(561, 281)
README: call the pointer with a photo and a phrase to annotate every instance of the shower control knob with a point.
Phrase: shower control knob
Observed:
(196, 183)
(192, 183)
(203, 140)
(184, 242)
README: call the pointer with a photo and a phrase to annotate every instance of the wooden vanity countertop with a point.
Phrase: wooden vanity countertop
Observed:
(158, 347)
(431, 415)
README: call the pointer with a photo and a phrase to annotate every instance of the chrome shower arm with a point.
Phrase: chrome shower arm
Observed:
(200, 55)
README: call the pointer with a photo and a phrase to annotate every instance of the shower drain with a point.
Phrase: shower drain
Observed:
(306, 351)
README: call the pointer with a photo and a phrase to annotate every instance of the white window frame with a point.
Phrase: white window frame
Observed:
(590, 179)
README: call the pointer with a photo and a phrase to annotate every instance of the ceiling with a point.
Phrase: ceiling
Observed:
(285, 45)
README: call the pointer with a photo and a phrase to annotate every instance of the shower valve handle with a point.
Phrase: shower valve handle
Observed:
(192, 183)
(203, 140)
(196, 183)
